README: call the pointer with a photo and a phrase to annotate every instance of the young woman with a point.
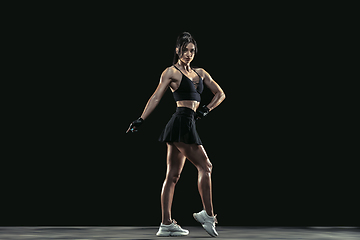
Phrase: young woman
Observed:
(180, 133)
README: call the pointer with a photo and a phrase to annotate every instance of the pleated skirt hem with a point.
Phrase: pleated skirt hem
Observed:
(181, 128)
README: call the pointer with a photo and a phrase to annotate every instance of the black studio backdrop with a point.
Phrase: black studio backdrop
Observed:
(269, 143)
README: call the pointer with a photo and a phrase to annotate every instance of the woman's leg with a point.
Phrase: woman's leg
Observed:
(197, 155)
(175, 164)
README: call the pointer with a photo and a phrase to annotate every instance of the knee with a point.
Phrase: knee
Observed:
(209, 167)
(206, 167)
(173, 178)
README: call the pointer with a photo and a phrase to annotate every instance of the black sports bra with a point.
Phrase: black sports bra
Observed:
(187, 89)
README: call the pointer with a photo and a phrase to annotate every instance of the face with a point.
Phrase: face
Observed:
(188, 53)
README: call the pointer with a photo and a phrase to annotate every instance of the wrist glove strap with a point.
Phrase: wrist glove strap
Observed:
(202, 112)
(135, 124)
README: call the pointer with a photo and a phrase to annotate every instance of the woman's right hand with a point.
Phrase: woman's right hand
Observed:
(135, 124)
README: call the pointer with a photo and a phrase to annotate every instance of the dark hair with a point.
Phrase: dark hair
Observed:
(182, 41)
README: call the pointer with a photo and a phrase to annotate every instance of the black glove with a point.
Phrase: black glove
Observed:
(202, 112)
(135, 124)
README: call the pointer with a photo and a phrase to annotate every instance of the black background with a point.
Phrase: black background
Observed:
(277, 158)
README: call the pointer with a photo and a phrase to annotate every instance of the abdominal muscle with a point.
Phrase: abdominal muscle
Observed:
(189, 104)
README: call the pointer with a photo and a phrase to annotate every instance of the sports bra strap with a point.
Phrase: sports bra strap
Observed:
(177, 68)
(197, 74)
(191, 68)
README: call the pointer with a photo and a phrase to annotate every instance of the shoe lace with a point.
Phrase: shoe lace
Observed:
(175, 222)
(215, 219)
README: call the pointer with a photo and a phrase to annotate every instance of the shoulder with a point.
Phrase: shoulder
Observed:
(202, 72)
(170, 73)
(199, 70)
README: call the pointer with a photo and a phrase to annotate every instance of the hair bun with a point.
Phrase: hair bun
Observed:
(186, 35)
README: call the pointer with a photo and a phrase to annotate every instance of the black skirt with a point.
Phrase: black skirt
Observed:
(181, 128)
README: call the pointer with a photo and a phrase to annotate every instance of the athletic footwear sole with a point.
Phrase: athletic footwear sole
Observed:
(207, 229)
(171, 234)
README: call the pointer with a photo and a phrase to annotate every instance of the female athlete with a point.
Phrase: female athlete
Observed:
(180, 135)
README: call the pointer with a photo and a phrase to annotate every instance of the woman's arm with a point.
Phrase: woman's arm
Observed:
(219, 94)
(154, 100)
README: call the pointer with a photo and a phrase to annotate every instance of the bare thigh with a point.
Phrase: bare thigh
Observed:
(196, 154)
(175, 161)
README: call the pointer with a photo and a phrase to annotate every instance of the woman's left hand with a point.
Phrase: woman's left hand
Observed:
(201, 112)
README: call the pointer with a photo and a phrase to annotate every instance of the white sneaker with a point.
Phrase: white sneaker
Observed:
(207, 222)
(171, 230)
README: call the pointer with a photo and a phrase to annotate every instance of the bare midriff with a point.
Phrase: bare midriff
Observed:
(189, 104)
